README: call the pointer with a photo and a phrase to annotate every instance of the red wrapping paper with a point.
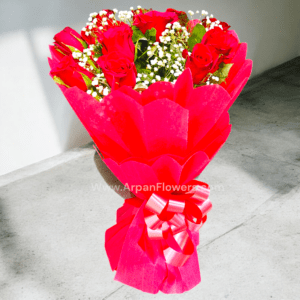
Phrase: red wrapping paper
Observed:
(165, 135)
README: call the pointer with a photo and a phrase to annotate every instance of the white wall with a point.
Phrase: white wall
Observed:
(35, 119)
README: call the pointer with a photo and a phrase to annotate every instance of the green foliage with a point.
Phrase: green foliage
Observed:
(223, 72)
(98, 50)
(150, 35)
(141, 42)
(72, 49)
(196, 37)
(82, 42)
(59, 81)
(87, 80)
(58, 50)
(91, 63)
(137, 35)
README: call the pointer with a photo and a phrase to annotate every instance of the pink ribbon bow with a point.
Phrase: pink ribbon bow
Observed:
(170, 219)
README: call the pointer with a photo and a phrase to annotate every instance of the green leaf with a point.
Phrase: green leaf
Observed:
(137, 34)
(139, 66)
(87, 80)
(137, 47)
(98, 50)
(72, 49)
(223, 71)
(150, 35)
(58, 50)
(59, 81)
(82, 42)
(90, 61)
(196, 37)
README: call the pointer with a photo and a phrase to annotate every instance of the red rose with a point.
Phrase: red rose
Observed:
(224, 42)
(154, 19)
(182, 16)
(202, 61)
(69, 37)
(118, 39)
(225, 26)
(191, 24)
(108, 23)
(69, 72)
(58, 52)
(118, 69)
(185, 53)
(88, 37)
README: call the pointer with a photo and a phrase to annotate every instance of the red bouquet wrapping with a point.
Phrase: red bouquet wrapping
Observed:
(154, 96)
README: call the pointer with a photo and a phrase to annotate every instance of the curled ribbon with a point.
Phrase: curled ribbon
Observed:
(171, 218)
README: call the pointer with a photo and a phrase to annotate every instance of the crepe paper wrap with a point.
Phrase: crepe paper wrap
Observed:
(153, 90)
(239, 72)
(165, 135)
(153, 245)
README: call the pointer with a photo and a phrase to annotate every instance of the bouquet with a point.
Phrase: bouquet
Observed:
(153, 90)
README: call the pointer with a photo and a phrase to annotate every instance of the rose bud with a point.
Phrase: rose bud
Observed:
(58, 52)
(118, 39)
(191, 24)
(69, 37)
(118, 70)
(69, 72)
(185, 53)
(202, 61)
(224, 42)
(182, 16)
(154, 19)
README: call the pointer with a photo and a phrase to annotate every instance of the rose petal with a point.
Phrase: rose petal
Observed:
(234, 34)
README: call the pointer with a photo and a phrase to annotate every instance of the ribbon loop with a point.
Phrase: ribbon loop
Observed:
(171, 218)
(176, 206)
(156, 204)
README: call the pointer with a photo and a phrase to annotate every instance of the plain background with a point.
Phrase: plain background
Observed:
(36, 121)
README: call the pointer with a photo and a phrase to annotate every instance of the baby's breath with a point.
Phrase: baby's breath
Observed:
(165, 61)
